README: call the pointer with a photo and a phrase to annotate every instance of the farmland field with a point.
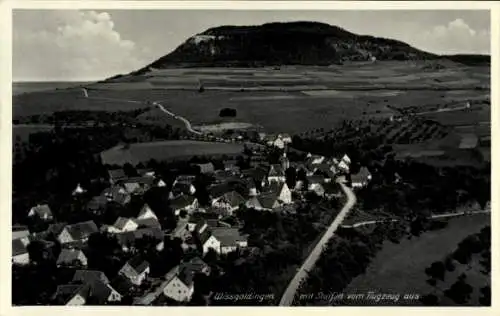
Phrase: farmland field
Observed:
(167, 150)
(409, 259)
(302, 97)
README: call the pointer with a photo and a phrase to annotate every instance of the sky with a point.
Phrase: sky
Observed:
(80, 45)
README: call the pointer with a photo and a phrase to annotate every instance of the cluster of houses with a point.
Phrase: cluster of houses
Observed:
(201, 228)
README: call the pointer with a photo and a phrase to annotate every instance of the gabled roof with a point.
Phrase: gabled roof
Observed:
(82, 230)
(64, 293)
(145, 208)
(148, 222)
(68, 256)
(130, 237)
(181, 201)
(276, 187)
(268, 200)
(18, 247)
(97, 202)
(186, 178)
(182, 187)
(121, 222)
(228, 236)
(42, 210)
(138, 264)
(233, 198)
(121, 284)
(276, 170)
(362, 176)
(86, 276)
(186, 275)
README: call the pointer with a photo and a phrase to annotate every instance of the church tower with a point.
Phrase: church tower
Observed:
(285, 163)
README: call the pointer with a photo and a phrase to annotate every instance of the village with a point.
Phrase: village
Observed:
(203, 229)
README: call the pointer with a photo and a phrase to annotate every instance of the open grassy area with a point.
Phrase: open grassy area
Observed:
(408, 259)
(302, 97)
(167, 150)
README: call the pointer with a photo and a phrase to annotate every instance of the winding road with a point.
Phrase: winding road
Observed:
(289, 295)
(155, 103)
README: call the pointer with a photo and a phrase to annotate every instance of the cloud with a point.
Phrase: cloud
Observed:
(454, 38)
(65, 45)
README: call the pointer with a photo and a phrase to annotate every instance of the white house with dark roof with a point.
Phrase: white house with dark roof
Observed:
(42, 211)
(230, 239)
(71, 258)
(100, 289)
(283, 193)
(71, 294)
(146, 212)
(179, 284)
(264, 202)
(183, 202)
(276, 173)
(79, 232)
(361, 179)
(123, 224)
(229, 201)
(136, 270)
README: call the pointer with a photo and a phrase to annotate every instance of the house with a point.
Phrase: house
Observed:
(183, 202)
(316, 159)
(229, 239)
(123, 224)
(148, 223)
(283, 193)
(179, 284)
(315, 184)
(206, 168)
(78, 190)
(180, 188)
(222, 175)
(79, 232)
(71, 294)
(276, 173)
(127, 239)
(89, 275)
(43, 212)
(250, 186)
(116, 176)
(229, 201)
(20, 254)
(266, 201)
(286, 138)
(361, 178)
(138, 185)
(71, 257)
(97, 203)
(101, 291)
(231, 166)
(343, 166)
(117, 194)
(146, 212)
(197, 265)
(275, 141)
(122, 285)
(144, 172)
(346, 159)
(136, 270)
(185, 178)
(208, 241)
(285, 162)
(20, 232)
(332, 189)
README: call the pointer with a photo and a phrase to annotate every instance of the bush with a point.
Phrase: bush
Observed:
(227, 112)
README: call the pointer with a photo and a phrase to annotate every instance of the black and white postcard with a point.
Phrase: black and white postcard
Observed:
(249, 156)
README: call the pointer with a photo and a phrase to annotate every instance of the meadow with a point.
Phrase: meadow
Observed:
(408, 259)
(167, 150)
(289, 99)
